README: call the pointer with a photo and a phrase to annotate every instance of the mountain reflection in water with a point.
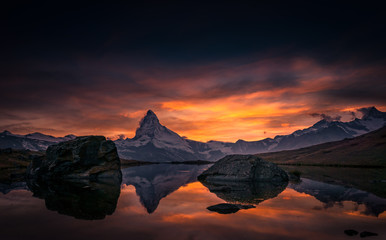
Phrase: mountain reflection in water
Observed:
(154, 182)
(331, 194)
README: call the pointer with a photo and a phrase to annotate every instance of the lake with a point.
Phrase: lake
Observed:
(165, 201)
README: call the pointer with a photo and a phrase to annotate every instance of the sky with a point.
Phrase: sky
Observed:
(224, 70)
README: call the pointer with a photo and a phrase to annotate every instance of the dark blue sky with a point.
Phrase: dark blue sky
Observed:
(193, 31)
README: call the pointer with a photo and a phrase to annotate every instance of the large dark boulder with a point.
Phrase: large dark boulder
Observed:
(89, 157)
(243, 168)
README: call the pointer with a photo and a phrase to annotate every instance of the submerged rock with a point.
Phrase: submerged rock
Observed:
(244, 168)
(89, 157)
(227, 208)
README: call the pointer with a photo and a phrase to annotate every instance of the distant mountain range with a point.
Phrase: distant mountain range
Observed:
(33, 141)
(154, 142)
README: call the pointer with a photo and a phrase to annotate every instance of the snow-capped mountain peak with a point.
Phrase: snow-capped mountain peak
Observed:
(152, 137)
(148, 126)
(6, 133)
(372, 112)
(41, 136)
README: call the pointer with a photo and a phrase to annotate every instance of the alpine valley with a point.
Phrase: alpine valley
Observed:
(154, 142)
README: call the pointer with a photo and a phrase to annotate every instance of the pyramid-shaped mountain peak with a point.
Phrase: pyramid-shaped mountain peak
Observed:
(149, 119)
(148, 125)
(150, 113)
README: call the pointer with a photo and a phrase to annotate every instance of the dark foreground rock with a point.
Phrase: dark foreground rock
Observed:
(79, 198)
(227, 208)
(90, 157)
(243, 168)
(350, 232)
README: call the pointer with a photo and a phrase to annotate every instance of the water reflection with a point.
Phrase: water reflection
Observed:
(245, 192)
(154, 182)
(82, 199)
(331, 194)
(183, 213)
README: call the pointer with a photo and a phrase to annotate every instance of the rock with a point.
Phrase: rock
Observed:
(294, 176)
(6, 150)
(367, 234)
(350, 232)
(79, 198)
(244, 168)
(227, 208)
(89, 157)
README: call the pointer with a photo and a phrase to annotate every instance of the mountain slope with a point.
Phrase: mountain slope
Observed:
(368, 149)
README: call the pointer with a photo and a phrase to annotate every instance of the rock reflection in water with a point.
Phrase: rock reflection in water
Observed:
(245, 192)
(82, 199)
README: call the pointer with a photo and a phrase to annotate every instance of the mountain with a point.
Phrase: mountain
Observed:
(365, 150)
(321, 132)
(328, 131)
(154, 142)
(34, 141)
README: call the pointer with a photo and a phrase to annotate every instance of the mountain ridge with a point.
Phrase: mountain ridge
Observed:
(163, 144)
(154, 142)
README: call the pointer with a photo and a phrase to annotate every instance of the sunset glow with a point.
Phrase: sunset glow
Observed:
(202, 103)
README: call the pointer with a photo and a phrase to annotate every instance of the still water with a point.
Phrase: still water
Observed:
(167, 202)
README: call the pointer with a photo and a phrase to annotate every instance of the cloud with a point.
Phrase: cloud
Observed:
(326, 117)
